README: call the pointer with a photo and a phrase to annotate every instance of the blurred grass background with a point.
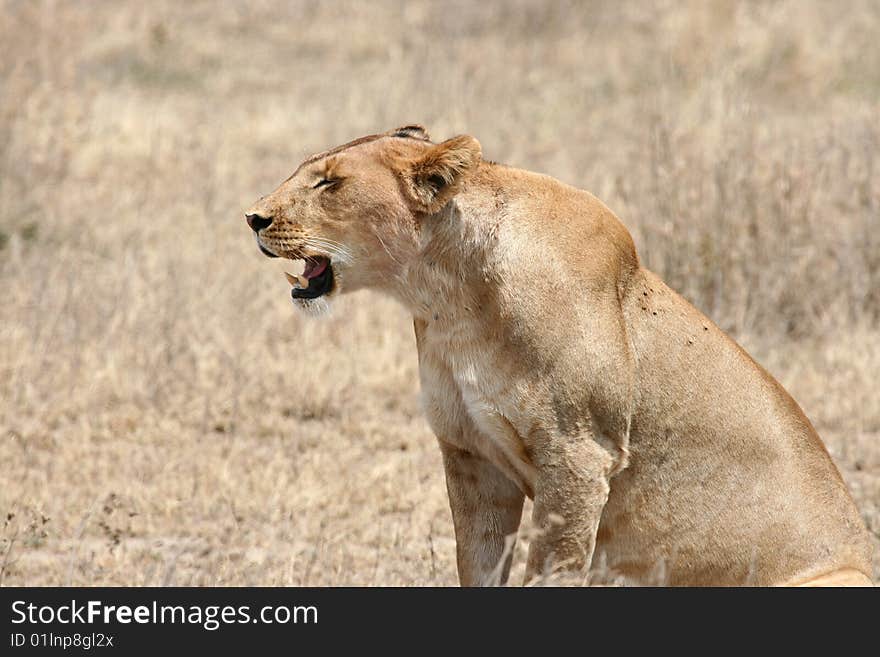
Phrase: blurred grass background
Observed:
(165, 416)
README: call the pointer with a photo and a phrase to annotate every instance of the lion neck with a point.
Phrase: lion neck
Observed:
(444, 276)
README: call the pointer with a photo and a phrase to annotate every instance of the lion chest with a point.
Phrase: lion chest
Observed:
(472, 399)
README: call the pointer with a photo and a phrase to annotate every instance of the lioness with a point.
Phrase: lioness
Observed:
(554, 365)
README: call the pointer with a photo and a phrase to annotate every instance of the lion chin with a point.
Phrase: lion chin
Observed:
(319, 307)
(554, 366)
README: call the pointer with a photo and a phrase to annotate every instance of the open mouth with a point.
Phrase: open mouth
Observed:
(315, 281)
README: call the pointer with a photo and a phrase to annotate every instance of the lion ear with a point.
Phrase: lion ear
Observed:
(414, 131)
(437, 174)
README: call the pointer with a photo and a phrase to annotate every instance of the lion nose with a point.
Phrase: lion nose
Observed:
(258, 222)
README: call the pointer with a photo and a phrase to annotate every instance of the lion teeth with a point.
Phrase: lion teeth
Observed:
(297, 281)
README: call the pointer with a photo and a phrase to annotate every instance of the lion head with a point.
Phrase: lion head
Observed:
(352, 213)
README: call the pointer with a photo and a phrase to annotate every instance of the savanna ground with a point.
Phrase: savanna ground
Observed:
(165, 416)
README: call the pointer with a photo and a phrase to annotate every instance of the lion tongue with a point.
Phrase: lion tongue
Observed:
(314, 268)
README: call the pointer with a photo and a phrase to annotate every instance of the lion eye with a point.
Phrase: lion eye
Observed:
(323, 183)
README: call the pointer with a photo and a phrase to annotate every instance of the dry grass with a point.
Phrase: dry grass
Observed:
(165, 417)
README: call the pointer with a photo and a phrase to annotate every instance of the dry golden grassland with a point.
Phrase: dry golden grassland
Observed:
(166, 417)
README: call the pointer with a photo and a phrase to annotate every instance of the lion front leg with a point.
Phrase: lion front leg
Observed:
(570, 494)
(486, 512)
